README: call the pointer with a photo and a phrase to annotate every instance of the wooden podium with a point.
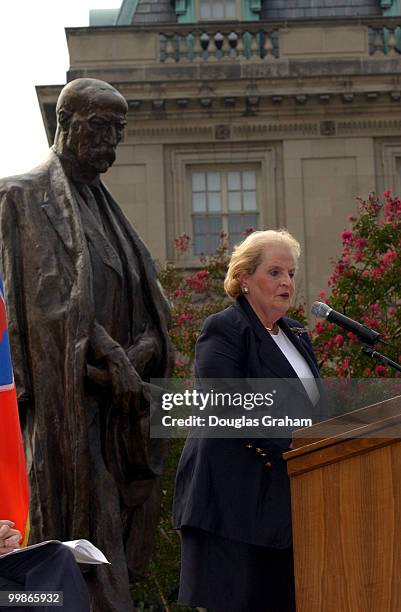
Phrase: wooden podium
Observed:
(345, 478)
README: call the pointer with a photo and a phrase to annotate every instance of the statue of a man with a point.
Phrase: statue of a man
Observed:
(88, 324)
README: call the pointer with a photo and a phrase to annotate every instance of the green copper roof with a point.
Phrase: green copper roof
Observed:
(127, 12)
(391, 8)
(153, 11)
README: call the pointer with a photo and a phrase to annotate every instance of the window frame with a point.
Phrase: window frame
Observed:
(223, 170)
(179, 201)
(238, 11)
(391, 160)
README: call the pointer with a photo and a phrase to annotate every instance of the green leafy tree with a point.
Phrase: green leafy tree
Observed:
(193, 297)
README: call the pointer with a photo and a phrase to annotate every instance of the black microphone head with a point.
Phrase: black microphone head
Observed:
(320, 310)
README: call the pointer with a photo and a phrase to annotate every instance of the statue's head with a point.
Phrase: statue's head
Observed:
(90, 124)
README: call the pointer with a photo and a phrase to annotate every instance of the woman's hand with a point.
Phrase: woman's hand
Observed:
(9, 537)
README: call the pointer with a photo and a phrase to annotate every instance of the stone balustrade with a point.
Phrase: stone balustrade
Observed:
(218, 44)
(142, 48)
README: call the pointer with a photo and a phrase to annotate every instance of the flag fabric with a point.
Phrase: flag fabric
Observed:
(14, 496)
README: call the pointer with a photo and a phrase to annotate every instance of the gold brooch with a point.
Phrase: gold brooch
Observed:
(298, 331)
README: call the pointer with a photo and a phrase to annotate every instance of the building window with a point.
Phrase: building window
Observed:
(223, 201)
(393, 184)
(389, 173)
(218, 9)
(241, 193)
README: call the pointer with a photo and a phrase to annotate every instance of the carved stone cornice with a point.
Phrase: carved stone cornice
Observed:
(239, 101)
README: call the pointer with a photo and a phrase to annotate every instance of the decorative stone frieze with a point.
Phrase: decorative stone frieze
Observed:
(259, 130)
(369, 126)
(270, 129)
(168, 131)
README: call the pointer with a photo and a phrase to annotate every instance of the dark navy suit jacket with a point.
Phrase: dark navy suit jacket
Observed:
(224, 485)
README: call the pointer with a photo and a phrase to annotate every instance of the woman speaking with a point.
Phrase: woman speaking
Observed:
(232, 496)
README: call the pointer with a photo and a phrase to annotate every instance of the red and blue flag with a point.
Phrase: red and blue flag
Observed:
(14, 497)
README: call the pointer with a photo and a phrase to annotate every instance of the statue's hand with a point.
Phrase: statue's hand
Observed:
(125, 380)
(141, 353)
(9, 537)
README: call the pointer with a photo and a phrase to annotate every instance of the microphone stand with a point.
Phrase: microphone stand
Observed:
(369, 350)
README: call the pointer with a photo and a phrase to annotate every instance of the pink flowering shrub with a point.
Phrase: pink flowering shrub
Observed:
(366, 286)
(193, 296)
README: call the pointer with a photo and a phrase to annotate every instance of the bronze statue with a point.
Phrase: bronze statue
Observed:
(88, 324)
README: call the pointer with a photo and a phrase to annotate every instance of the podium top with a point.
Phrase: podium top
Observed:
(372, 426)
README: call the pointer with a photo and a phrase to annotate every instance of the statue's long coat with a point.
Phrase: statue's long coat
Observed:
(47, 273)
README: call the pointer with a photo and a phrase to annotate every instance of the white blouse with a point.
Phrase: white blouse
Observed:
(299, 364)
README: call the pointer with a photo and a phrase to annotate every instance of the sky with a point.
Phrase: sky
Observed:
(33, 51)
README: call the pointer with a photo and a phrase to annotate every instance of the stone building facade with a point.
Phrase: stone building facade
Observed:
(248, 113)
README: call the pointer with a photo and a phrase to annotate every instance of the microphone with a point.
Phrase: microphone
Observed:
(365, 334)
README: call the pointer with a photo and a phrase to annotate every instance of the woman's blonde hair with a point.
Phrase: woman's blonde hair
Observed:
(247, 255)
